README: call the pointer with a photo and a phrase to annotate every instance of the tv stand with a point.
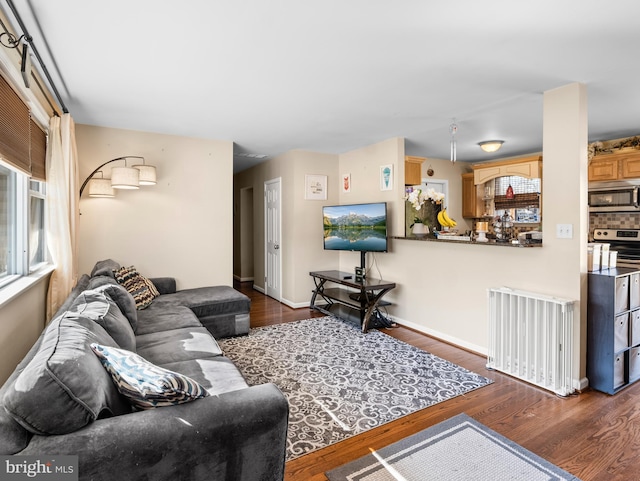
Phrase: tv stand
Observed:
(343, 303)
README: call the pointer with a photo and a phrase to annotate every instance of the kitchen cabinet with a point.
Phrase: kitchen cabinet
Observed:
(603, 169)
(619, 165)
(613, 329)
(472, 203)
(413, 170)
(529, 167)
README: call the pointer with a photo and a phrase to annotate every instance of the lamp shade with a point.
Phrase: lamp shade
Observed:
(491, 145)
(125, 178)
(147, 174)
(101, 188)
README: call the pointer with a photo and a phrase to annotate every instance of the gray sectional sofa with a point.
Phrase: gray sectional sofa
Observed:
(61, 400)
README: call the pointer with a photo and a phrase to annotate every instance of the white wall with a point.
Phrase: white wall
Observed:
(181, 227)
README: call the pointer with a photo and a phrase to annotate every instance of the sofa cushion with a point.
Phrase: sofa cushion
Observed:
(120, 296)
(64, 387)
(218, 375)
(80, 286)
(177, 345)
(145, 384)
(105, 268)
(156, 318)
(141, 288)
(208, 301)
(94, 304)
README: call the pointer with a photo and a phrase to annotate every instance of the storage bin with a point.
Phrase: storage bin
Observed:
(634, 290)
(622, 294)
(618, 371)
(635, 328)
(621, 333)
(604, 256)
(634, 364)
(593, 257)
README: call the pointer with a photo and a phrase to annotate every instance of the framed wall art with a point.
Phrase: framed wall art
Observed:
(386, 177)
(315, 187)
(346, 183)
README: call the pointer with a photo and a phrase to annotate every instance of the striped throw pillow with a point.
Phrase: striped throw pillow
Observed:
(144, 384)
(141, 288)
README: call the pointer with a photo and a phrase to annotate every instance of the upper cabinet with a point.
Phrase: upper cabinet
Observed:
(623, 164)
(413, 170)
(529, 167)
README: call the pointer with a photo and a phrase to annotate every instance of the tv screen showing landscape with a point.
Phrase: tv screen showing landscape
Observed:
(355, 227)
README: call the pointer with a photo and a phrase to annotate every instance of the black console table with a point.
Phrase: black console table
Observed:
(359, 302)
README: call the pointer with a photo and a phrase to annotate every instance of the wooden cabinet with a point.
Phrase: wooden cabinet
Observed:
(603, 169)
(413, 170)
(613, 329)
(623, 164)
(472, 203)
(529, 167)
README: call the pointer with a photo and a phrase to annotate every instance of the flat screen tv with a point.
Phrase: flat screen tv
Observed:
(355, 227)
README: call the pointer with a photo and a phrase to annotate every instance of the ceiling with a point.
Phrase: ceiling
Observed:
(335, 75)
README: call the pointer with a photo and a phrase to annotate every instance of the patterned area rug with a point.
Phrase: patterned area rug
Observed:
(457, 449)
(340, 382)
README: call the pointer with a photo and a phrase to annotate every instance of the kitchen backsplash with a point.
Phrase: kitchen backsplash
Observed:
(614, 220)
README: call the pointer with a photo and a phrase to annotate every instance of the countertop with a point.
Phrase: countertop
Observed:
(443, 239)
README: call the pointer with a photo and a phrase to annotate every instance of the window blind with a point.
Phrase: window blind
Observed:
(38, 152)
(14, 128)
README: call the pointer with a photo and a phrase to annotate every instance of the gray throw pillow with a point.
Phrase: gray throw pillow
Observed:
(105, 268)
(120, 296)
(64, 387)
(94, 304)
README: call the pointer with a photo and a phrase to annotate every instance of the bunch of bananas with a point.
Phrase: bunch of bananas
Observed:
(445, 220)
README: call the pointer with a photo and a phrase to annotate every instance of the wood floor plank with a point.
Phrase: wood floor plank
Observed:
(594, 436)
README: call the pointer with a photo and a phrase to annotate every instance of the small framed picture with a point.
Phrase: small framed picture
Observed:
(386, 177)
(315, 187)
(346, 183)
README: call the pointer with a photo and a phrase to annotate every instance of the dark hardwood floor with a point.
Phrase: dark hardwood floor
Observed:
(592, 435)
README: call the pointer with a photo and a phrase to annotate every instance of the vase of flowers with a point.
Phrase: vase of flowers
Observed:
(422, 209)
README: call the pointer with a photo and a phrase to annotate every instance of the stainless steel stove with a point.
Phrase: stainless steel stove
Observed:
(625, 241)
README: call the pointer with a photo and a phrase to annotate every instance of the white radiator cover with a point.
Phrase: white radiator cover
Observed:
(531, 338)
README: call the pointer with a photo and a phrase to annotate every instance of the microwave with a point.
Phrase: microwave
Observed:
(614, 199)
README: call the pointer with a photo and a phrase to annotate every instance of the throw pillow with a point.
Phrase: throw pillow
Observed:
(141, 288)
(96, 305)
(119, 295)
(65, 387)
(145, 384)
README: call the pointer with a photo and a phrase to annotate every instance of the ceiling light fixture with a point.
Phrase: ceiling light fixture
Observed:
(125, 177)
(453, 130)
(491, 145)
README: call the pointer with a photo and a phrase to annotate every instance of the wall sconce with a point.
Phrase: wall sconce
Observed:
(491, 145)
(121, 177)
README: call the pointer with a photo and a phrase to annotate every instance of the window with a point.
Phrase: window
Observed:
(7, 222)
(22, 228)
(525, 205)
(37, 241)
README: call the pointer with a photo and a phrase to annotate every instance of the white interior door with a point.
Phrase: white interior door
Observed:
(273, 252)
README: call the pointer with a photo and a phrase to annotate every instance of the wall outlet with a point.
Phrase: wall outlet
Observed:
(564, 231)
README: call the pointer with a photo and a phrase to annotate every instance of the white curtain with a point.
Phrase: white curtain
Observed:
(62, 209)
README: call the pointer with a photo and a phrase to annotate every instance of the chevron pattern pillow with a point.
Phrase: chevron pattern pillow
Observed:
(141, 288)
(144, 384)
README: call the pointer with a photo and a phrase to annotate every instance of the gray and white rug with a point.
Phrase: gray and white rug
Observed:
(458, 449)
(340, 382)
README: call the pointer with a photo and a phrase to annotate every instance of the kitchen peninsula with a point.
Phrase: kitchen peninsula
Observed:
(490, 242)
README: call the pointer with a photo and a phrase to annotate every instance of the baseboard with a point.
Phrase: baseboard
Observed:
(242, 279)
(481, 351)
(259, 289)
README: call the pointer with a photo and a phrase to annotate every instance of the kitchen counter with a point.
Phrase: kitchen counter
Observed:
(443, 239)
